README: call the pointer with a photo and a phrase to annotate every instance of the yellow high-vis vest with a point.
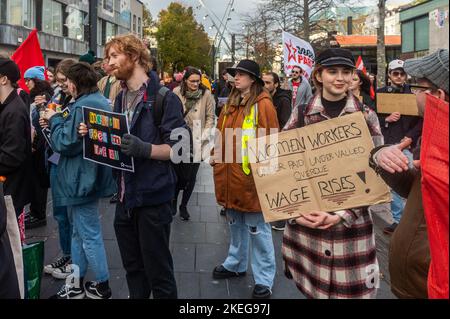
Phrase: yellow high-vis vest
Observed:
(249, 128)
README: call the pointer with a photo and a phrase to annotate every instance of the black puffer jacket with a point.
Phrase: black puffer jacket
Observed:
(15, 149)
(282, 100)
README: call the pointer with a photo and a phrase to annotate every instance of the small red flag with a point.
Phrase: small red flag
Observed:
(28, 55)
(360, 65)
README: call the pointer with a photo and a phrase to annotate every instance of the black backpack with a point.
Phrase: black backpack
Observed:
(158, 112)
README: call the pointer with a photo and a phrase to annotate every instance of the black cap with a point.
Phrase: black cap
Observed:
(335, 57)
(9, 68)
(249, 67)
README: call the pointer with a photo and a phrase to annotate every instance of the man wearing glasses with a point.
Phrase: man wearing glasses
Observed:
(299, 85)
(397, 128)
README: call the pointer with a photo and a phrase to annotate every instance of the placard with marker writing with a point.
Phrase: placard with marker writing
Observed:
(324, 167)
(102, 143)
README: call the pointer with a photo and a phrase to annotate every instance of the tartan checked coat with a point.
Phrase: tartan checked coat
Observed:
(334, 263)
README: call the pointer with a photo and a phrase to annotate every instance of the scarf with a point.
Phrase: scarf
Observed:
(192, 99)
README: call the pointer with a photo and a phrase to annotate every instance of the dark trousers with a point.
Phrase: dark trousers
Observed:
(9, 285)
(38, 205)
(143, 238)
(186, 182)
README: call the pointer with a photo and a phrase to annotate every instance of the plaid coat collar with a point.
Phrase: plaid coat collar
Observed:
(315, 106)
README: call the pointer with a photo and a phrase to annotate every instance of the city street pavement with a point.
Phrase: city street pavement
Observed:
(197, 247)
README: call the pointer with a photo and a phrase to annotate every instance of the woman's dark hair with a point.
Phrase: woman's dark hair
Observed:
(365, 81)
(84, 77)
(41, 87)
(187, 74)
(64, 66)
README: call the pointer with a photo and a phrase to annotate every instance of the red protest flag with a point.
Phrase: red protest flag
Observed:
(360, 65)
(28, 55)
(434, 164)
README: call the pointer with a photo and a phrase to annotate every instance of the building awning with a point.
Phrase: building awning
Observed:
(366, 40)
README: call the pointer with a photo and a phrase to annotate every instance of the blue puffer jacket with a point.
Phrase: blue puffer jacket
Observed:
(79, 181)
(153, 182)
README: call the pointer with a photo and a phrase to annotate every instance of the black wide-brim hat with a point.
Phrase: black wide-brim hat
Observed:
(247, 66)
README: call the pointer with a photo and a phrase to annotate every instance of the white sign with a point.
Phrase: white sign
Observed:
(297, 52)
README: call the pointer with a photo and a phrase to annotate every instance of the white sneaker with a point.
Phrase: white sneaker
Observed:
(62, 272)
(60, 262)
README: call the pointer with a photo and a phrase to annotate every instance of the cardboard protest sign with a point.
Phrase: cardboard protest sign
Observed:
(322, 167)
(102, 144)
(297, 52)
(405, 104)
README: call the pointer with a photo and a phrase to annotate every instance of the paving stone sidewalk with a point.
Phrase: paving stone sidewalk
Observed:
(197, 246)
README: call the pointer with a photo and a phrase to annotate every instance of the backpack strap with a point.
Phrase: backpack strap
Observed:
(158, 109)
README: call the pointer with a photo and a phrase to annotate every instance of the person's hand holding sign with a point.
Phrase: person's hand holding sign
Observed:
(135, 147)
(392, 159)
(82, 130)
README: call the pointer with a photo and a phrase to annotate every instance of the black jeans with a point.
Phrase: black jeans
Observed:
(143, 238)
(186, 182)
(9, 284)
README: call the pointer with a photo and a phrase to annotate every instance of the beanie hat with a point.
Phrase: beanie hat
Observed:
(36, 72)
(9, 69)
(433, 67)
(88, 57)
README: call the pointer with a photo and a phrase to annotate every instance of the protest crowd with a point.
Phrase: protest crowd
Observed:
(44, 128)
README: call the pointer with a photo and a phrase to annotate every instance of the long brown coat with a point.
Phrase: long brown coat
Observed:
(234, 189)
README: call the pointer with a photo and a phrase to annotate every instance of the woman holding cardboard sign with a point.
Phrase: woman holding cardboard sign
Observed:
(332, 254)
(249, 108)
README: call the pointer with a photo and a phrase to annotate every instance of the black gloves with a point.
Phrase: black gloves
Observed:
(135, 147)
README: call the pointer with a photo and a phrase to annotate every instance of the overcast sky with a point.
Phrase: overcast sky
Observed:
(219, 6)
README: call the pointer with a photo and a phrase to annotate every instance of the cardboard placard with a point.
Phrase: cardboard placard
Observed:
(102, 144)
(322, 167)
(405, 104)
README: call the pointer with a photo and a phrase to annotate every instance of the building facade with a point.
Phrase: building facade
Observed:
(424, 28)
(66, 28)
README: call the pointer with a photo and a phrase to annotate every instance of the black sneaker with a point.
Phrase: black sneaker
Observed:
(261, 292)
(221, 273)
(279, 226)
(34, 222)
(69, 292)
(114, 199)
(390, 229)
(223, 212)
(94, 291)
(62, 272)
(184, 214)
(58, 263)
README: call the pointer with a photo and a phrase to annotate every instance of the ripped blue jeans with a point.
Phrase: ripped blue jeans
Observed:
(249, 229)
